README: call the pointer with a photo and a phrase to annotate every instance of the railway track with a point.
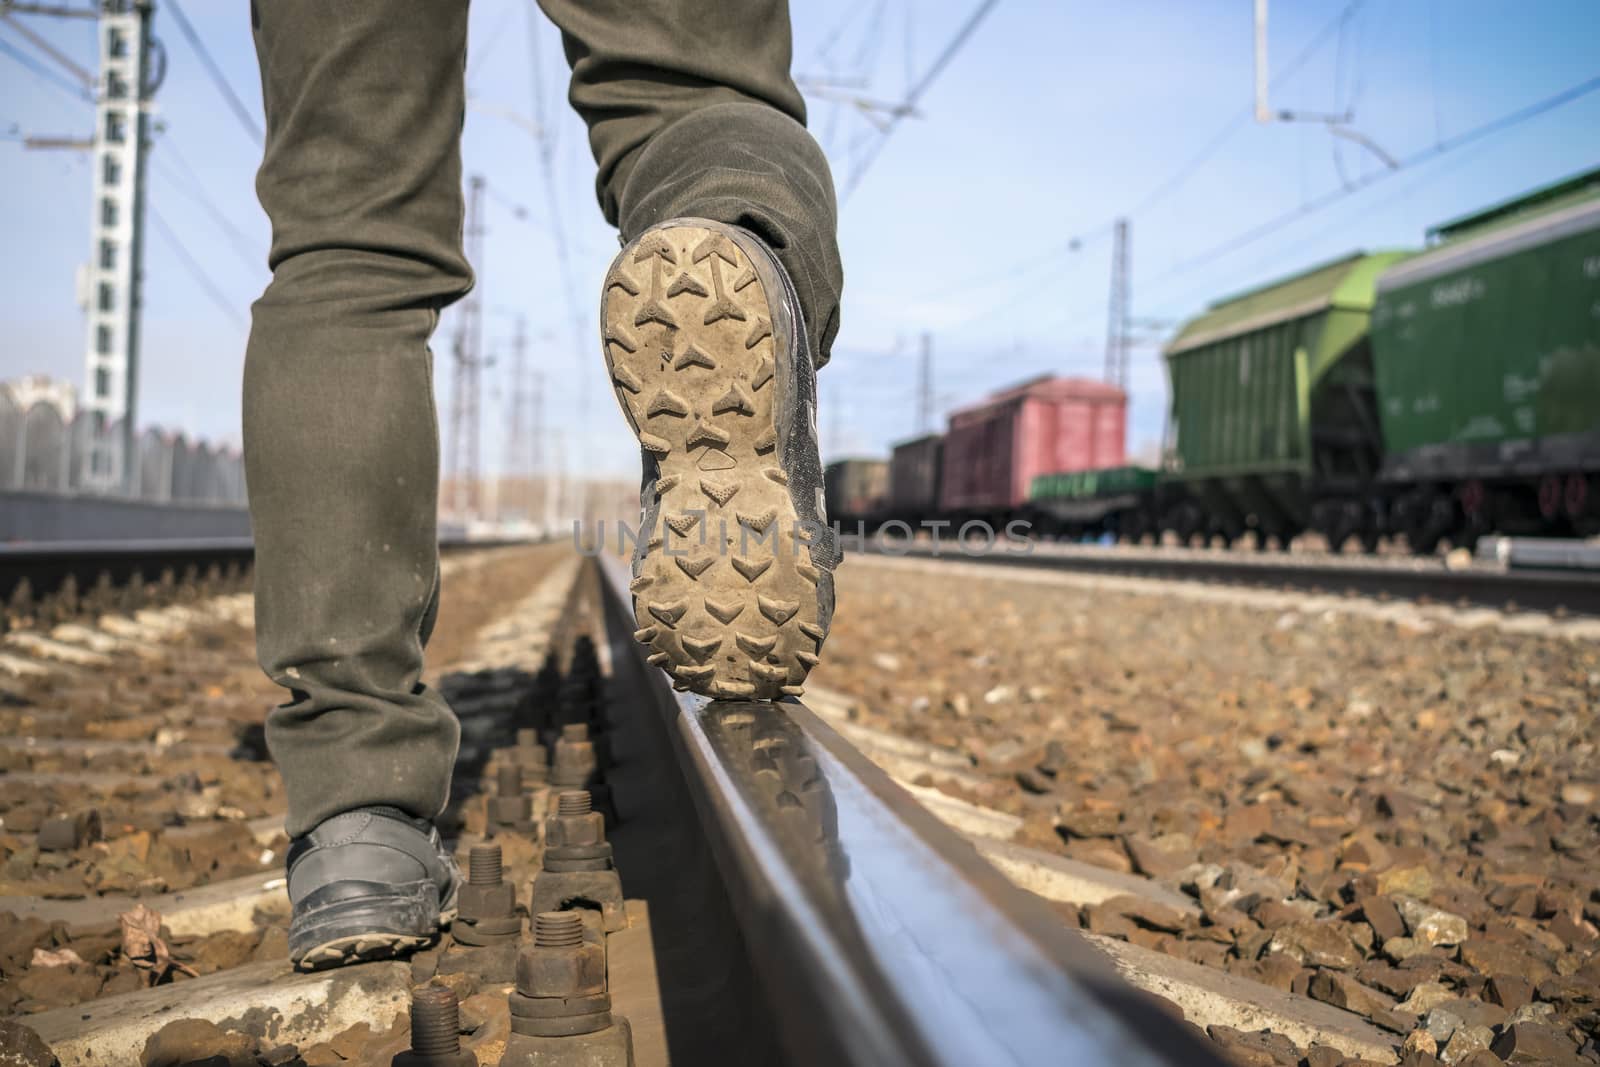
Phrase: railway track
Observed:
(791, 889)
(1486, 584)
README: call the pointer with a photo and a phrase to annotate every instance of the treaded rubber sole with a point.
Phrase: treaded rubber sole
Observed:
(365, 929)
(360, 948)
(725, 593)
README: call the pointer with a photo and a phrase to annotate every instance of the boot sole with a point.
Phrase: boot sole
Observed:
(725, 591)
(360, 948)
(363, 930)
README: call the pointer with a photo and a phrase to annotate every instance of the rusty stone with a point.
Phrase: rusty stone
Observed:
(1532, 1043)
(1381, 914)
(1510, 991)
(1343, 991)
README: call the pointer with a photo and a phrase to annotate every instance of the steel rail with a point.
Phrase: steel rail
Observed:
(880, 936)
(1532, 589)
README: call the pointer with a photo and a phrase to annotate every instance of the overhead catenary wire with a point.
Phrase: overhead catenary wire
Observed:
(247, 250)
(1161, 190)
(962, 36)
(1242, 120)
(201, 276)
(53, 78)
(39, 42)
(240, 111)
(1271, 225)
(546, 150)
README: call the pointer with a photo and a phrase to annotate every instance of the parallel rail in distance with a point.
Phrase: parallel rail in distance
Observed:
(881, 937)
(1549, 590)
(47, 564)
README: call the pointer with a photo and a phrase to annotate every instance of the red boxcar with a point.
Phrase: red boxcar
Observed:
(1047, 425)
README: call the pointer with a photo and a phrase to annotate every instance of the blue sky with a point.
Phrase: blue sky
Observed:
(983, 221)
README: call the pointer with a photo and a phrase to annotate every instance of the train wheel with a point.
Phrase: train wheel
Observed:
(1550, 497)
(1575, 496)
(1370, 540)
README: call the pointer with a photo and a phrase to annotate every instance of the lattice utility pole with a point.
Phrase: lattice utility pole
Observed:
(113, 280)
(518, 467)
(466, 441)
(537, 468)
(925, 386)
(1118, 341)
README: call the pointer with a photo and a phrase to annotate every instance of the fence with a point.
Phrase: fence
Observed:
(45, 449)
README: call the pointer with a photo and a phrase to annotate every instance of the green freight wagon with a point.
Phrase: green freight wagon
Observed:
(1112, 500)
(1487, 354)
(1274, 423)
(1080, 485)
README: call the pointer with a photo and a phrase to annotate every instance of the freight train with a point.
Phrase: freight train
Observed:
(1438, 394)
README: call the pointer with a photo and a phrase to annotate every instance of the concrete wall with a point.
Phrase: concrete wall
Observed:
(41, 516)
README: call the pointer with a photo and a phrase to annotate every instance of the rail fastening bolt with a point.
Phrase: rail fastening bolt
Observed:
(435, 1022)
(435, 1032)
(558, 929)
(484, 865)
(511, 807)
(573, 802)
(487, 907)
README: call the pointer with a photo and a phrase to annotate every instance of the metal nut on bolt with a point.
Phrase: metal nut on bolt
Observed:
(487, 904)
(573, 824)
(561, 1011)
(531, 756)
(561, 962)
(577, 867)
(575, 763)
(510, 807)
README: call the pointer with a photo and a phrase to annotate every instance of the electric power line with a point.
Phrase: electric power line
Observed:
(246, 249)
(1273, 224)
(240, 111)
(41, 71)
(1192, 166)
(84, 77)
(1165, 188)
(227, 306)
(943, 60)
(558, 229)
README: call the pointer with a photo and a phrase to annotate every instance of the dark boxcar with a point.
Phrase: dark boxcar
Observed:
(855, 488)
(914, 476)
(995, 449)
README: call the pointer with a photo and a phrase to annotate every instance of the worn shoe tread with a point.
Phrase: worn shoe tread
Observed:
(688, 328)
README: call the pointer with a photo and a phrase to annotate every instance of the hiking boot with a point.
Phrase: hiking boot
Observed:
(368, 884)
(707, 349)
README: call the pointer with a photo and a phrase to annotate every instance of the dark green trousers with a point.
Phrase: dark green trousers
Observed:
(691, 112)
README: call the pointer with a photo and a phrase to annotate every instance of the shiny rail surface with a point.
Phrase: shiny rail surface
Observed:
(1479, 584)
(880, 936)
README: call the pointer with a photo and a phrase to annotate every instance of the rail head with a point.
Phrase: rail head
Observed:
(880, 936)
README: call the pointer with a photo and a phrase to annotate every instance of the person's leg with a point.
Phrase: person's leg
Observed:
(715, 315)
(362, 181)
